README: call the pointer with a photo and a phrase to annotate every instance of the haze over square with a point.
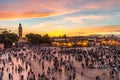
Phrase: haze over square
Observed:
(58, 17)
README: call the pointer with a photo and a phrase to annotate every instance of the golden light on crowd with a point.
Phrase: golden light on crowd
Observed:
(70, 44)
(110, 42)
(104, 42)
(85, 43)
(67, 44)
(64, 44)
(79, 43)
(113, 42)
(82, 43)
(55, 43)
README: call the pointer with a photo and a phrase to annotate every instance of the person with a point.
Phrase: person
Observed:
(1, 74)
(67, 77)
(43, 65)
(39, 77)
(74, 75)
(82, 73)
(22, 77)
(10, 76)
(97, 78)
(83, 66)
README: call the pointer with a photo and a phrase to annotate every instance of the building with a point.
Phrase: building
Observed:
(20, 31)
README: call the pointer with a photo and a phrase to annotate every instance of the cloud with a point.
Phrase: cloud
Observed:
(42, 8)
(81, 18)
(15, 15)
(53, 29)
(99, 29)
(117, 31)
(80, 33)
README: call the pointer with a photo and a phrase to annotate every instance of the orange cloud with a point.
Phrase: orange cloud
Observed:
(14, 15)
(97, 30)
(43, 8)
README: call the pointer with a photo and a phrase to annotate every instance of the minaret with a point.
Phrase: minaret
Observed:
(20, 31)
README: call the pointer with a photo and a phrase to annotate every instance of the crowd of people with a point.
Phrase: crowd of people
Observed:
(59, 63)
(12, 65)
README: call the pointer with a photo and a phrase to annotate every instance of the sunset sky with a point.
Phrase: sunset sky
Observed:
(58, 17)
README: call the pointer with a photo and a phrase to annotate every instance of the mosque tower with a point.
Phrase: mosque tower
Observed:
(20, 31)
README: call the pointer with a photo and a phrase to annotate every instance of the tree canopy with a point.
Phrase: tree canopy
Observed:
(38, 39)
(8, 38)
